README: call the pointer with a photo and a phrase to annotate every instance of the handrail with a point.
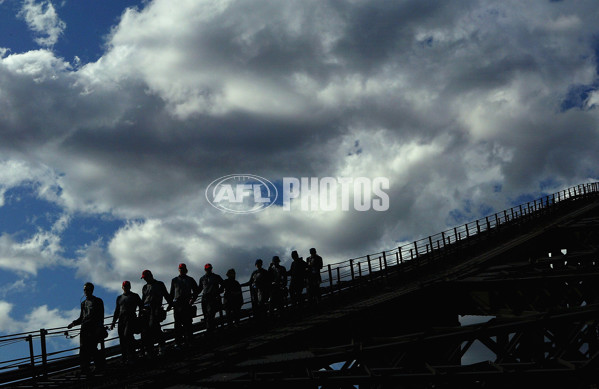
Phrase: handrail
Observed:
(336, 274)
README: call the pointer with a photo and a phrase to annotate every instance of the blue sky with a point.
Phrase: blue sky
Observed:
(115, 116)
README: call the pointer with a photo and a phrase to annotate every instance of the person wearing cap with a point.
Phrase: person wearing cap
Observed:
(278, 292)
(259, 284)
(184, 291)
(91, 320)
(209, 286)
(152, 313)
(125, 313)
(232, 297)
(314, 262)
(297, 278)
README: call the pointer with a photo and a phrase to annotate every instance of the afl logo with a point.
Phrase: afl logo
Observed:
(241, 193)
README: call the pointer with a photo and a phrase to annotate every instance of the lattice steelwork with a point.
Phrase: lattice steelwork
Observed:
(391, 319)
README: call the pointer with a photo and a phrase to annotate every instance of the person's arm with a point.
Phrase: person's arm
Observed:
(166, 295)
(171, 294)
(100, 313)
(200, 286)
(221, 284)
(250, 281)
(78, 320)
(195, 291)
(173, 286)
(140, 303)
(115, 314)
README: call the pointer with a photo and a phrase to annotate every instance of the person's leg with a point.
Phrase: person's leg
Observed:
(84, 352)
(123, 341)
(179, 324)
(187, 325)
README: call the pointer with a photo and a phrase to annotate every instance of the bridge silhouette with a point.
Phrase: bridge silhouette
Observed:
(392, 319)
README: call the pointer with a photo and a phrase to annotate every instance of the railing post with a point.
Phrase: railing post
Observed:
(400, 256)
(351, 267)
(369, 266)
(330, 277)
(416, 249)
(43, 333)
(385, 261)
(521, 215)
(31, 357)
(488, 224)
(477, 227)
(338, 279)
(467, 231)
(430, 241)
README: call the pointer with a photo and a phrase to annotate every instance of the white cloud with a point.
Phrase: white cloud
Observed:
(41, 250)
(593, 100)
(449, 102)
(16, 287)
(43, 20)
(39, 317)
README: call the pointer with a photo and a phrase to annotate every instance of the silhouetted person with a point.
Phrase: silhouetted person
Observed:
(278, 292)
(125, 313)
(314, 263)
(184, 291)
(91, 320)
(259, 284)
(152, 313)
(232, 297)
(297, 280)
(210, 285)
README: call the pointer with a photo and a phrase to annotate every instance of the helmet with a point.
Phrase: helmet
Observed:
(182, 266)
(126, 284)
(207, 266)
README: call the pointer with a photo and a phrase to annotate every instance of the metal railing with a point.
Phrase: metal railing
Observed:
(336, 277)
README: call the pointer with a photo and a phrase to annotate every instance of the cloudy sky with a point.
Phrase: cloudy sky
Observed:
(115, 116)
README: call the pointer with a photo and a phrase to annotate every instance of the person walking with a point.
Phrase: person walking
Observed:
(153, 292)
(297, 278)
(210, 285)
(184, 291)
(278, 291)
(314, 264)
(125, 313)
(91, 319)
(232, 297)
(259, 284)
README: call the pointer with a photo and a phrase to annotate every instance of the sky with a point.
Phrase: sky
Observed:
(116, 116)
